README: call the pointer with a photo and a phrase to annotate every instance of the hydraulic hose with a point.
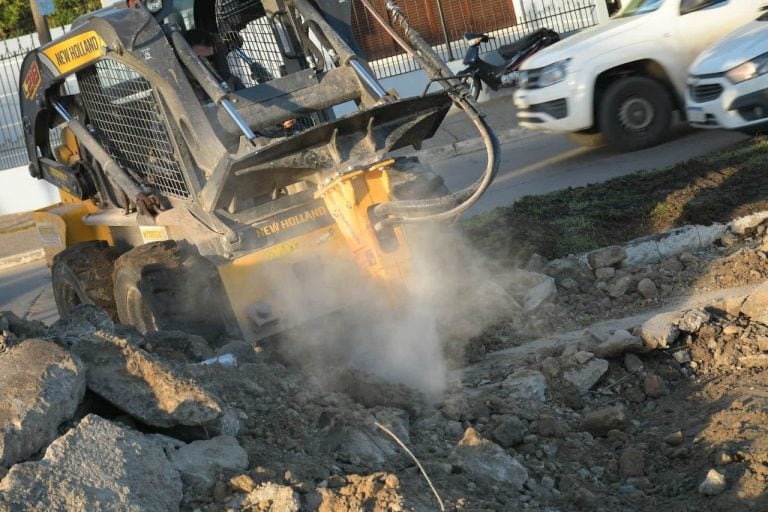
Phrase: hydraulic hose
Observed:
(451, 205)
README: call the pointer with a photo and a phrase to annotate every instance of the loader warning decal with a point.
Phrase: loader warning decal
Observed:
(49, 235)
(153, 234)
(75, 51)
(32, 81)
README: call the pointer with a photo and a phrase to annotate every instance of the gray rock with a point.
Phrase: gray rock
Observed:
(141, 385)
(14, 330)
(550, 366)
(619, 343)
(569, 284)
(682, 356)
(632, 363)
(660, 331)
(356, 443)
(672, 265)
(713, 484)
(201, 462)
(647, 288)
(604, 273)
(269, 497)
(584, 377)
(620, 286)
(97, 466)
(692, 320)
(583, 357)
(602, 421)
(632, 463)
(756, 305)
(42, 386)
(543, 291)
(654, 386)
(526, 384)
(607, 256)
(177, 346)
(674, 439)
(510, 432)
(484, 459)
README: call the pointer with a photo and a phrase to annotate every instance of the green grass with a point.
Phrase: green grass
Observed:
(713, 188)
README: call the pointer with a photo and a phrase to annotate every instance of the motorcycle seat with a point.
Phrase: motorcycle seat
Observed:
(508, 51)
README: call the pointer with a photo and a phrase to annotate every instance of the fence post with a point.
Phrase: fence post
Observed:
(601, 6)
(41, 23)
(445, 30)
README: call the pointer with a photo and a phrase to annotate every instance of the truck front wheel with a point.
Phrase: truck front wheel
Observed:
(635, 113)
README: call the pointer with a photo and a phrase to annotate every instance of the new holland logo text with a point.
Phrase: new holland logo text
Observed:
(76, 51)
(290, 222)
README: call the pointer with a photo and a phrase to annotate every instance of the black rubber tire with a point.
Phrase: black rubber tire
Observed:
(647, 96)
(475, 86)
(169, 286)
(588, 138)
(82, 274)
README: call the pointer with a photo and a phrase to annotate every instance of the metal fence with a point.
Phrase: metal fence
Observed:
(507, 26)
(12, 152)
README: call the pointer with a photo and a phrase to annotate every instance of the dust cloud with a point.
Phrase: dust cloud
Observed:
(451, 295)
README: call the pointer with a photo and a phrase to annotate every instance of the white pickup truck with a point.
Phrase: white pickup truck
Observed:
(621, 81)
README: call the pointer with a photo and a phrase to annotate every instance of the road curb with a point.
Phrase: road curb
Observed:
(464, 147)
(21, 259)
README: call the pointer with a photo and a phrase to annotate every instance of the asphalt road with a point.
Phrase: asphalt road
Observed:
(534, 164)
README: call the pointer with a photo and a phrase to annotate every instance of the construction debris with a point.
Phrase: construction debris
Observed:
(42, 386)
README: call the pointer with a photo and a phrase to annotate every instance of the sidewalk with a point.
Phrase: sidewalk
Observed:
(457, 135)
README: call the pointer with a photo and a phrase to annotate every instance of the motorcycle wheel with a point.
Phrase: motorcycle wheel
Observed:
(475, 87)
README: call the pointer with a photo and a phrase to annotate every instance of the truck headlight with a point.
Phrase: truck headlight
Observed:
(749, 70)
(554, 73)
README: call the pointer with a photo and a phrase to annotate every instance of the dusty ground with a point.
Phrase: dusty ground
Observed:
(543, 409)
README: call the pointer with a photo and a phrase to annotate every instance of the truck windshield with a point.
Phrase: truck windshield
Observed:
(635, 7)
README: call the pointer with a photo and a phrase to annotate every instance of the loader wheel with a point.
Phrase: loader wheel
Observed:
(635, 113)
(168, 286)
(82, 274)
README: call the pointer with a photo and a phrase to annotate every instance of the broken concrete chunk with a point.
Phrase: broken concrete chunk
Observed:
(660, 331)
(525, 384)
(81, 322)
(647, 288)
(756, 305)
(692, 320)
(602, 421)
(713, 484)
(201, 462)
(484, 459)
(97, 466)
(607, 256)
(543, 290)
(585, 376)
(14, 330)
(42, 386)
(619, 343)
(142, 386)
(620, 286)
(177, 346)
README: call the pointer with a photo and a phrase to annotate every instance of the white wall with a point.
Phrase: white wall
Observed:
(20, 192)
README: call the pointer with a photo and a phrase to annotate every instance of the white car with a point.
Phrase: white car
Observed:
(728, 82)
(623, 79)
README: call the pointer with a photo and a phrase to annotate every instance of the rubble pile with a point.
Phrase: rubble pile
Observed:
(664, 409)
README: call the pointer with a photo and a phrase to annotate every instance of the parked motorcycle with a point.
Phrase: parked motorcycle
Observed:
(479, 71)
